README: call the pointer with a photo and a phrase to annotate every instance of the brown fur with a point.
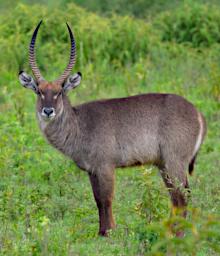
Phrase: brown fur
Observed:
(54, 86)
(99, 136)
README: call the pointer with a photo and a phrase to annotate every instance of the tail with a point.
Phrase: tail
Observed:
(201, 135)
(191, 165)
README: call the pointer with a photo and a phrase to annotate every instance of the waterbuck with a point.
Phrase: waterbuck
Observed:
(161, 129)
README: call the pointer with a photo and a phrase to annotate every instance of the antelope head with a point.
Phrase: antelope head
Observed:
(50, 94)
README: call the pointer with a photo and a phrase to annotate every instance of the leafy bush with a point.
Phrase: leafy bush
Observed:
(138, 8)
(117, 40)
(153, 205)
(157, 237)
(196, 24)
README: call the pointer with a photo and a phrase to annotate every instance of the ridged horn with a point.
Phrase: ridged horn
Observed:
(72, 59)
(32, 58)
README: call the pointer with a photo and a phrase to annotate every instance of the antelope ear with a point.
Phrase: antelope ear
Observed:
(27, 81)
(72, 81)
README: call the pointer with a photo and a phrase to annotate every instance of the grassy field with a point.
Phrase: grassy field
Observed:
(46, 203)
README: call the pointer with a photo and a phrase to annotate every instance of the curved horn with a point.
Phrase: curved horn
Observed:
(72, 59)
(32, 58)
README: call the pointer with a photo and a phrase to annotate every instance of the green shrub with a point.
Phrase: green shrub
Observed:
(196, 24)
(117, 40)
(157, 237)
(154, 204)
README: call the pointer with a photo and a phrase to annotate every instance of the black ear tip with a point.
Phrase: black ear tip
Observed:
(20, 72)
(79, 73)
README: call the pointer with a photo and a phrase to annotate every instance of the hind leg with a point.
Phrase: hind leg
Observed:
(175, 179)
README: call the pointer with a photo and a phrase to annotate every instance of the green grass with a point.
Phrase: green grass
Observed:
(46, 203)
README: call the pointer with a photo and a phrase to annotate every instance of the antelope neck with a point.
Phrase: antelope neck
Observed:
(61, 132)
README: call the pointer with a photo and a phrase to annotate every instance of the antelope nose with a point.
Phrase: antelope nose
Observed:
(48, 111)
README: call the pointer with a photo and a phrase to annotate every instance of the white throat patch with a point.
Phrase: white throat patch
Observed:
(42, 122)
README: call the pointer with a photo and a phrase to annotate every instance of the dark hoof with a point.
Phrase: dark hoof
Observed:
(103, 233)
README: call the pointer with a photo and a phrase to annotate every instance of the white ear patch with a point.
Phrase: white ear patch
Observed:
(72, 81)
(27, 81)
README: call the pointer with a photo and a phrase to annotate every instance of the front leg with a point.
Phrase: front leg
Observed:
(103, 189)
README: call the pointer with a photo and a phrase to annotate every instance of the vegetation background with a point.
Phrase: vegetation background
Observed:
(124, 47)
